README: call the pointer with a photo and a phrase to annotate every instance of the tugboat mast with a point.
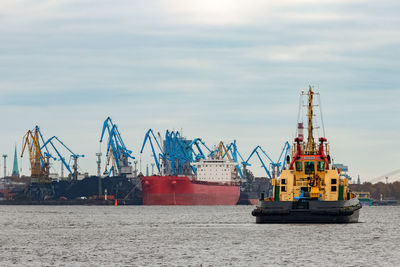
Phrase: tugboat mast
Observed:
(311, 147)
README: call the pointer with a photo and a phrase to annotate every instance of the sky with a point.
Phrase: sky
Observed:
(219, 70)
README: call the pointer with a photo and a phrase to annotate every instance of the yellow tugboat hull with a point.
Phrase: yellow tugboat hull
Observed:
(308, 211)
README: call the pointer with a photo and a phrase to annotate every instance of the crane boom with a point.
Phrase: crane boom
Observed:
(50, 142)
(200, 154)
(276, 165)
(148, 136)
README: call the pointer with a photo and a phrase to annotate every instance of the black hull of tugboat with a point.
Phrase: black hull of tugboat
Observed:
(308, 211)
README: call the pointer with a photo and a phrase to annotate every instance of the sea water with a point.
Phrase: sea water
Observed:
(190, 236)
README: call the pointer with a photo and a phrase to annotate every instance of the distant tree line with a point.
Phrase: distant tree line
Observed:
(388, 191)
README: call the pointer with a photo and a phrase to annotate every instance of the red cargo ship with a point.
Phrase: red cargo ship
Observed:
(216, 183)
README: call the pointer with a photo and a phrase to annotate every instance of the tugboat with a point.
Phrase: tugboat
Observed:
(311, 189)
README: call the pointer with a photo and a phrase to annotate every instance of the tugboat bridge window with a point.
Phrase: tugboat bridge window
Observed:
(309, 167)
(299, 166)
(321, 166)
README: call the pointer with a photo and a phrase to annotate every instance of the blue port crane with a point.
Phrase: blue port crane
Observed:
(51, 141)
(235, 154)
(183, 153)
(116, 150)
(281, 162)
(255, 151)
(199, 154)
(176, 152)
(149, 136)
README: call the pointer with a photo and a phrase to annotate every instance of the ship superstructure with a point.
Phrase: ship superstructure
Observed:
(311, 189)
(216, 171)
(217, 168)
(311, 173)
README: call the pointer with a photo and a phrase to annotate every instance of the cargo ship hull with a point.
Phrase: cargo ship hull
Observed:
(180, 190)
(313, 211)
(252, 191)
(249, 198)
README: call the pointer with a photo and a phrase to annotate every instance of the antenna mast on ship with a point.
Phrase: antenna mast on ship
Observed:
(311, 146)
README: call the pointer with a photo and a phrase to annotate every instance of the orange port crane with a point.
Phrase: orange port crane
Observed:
(222, 151)
(39, 166)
